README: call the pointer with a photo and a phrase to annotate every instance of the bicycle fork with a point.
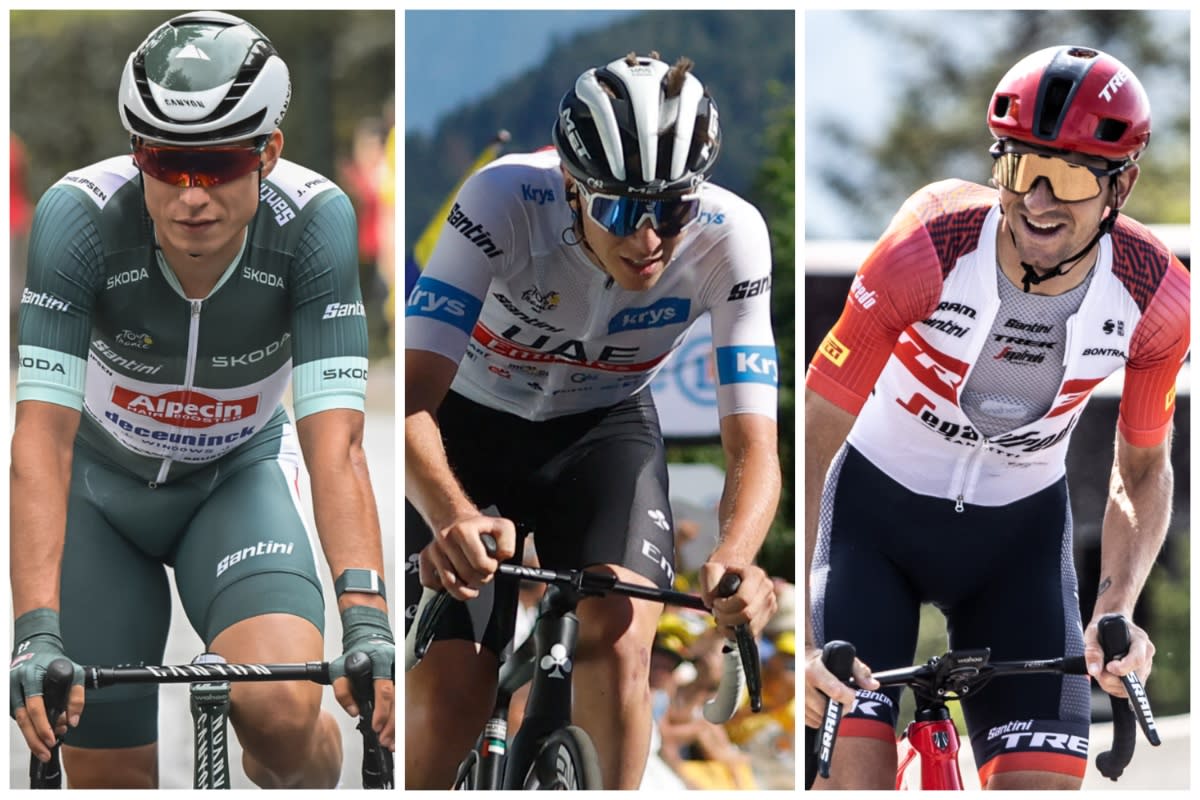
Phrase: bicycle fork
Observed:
(210, 711)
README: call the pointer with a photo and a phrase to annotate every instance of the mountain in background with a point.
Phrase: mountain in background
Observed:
(746, 59)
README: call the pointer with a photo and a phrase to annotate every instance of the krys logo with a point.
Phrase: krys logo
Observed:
(184, 409)
(667, 311)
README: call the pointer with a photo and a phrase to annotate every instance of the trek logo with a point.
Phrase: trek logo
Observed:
(277, 203)
(265, 278)
(1004, 338)
(539, 196)
(254, 356)
(142, 341)
(1043, 740)
(747, 289)
(44, 300)
(1118, 326)
(440, 301)
(475, 234)
(267, 548)
(126, 277)
(861, 294)
(1113, 86)
(335, 310)
(573, 137)
(667, 311)
(187, 409)
(556, 663)
(747, 364)
(541, 302)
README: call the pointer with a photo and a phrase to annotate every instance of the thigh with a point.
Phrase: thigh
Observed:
(116, 609)
(605, 499)
(1028, 610)
(859, 593)
(247, 552)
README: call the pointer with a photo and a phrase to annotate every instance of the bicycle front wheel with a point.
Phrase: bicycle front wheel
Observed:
(566, 759)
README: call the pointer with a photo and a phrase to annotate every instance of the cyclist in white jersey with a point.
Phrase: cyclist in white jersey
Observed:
(562, 281)
(173, 293)
(940, 406)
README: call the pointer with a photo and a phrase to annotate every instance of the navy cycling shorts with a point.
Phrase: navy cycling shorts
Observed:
(591, 486)
(1003, 576)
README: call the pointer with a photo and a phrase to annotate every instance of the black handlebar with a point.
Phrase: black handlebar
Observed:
(958, 673)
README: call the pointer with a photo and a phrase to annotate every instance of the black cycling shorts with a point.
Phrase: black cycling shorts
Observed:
(591, 486)
(1003, 576)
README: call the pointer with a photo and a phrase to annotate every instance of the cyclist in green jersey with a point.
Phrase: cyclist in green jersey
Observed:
(171, 297)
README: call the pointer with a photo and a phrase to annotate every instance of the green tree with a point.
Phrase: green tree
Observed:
(938, 129)
(774, 193)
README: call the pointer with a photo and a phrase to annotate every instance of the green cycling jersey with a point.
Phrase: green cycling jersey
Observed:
(167, 383)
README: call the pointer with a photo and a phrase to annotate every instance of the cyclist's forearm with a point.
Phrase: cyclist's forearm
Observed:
(1135, 525)
(343, 500)
(748, 502)
(429, 481)
(39, 483)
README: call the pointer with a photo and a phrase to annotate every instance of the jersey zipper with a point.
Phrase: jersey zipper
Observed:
(189, 375)
(968, 470)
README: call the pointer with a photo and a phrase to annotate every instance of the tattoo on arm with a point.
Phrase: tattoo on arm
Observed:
(1105, 585)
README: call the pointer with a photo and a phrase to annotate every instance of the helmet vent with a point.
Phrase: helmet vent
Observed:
(1000, 109)
(1111, 130)
(1058, 92)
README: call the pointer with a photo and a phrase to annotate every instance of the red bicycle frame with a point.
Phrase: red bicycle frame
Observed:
(936, 742)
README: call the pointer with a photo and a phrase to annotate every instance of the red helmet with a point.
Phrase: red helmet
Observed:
(1073, 98)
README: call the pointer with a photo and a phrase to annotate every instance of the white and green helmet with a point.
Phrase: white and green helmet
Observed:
(204, 78)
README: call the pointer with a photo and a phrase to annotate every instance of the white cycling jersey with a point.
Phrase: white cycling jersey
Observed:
(539, 331)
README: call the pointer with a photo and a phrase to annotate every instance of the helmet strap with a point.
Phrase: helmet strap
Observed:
(1032, 278)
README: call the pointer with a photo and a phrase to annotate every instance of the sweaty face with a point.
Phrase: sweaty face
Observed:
(1046, 230)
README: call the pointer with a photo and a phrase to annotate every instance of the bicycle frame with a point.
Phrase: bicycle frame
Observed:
(936, 742)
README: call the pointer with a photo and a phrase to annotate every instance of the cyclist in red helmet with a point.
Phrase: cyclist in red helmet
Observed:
(971, 340)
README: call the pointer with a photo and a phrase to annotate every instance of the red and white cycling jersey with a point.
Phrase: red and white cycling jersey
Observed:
(919, 313)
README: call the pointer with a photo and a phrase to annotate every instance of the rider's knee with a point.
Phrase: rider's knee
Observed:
(276, 720)
(620, 633)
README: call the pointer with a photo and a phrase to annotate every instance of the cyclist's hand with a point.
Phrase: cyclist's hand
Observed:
(366, 630)
(39, 643)
(1139, 659)
(456, 561)
(819, 684)
(753, 603)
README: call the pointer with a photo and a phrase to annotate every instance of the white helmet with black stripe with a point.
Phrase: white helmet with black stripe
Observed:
(638, 126)
(204, 78)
